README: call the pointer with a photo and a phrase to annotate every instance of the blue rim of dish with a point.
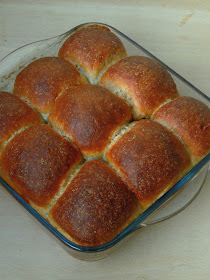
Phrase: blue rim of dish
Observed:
(129, 229)
(133, 226)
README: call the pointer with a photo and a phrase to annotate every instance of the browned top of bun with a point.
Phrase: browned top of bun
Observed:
(150, 158)
(14, 115)
(147, 83)
(190, 119)
(92, 49)
(43, 79)
(95, 207)
(36, 161)
(89, 114)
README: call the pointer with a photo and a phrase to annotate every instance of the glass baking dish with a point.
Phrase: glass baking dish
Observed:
(171, 203)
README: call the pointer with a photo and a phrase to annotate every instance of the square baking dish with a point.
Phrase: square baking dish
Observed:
(171, 203)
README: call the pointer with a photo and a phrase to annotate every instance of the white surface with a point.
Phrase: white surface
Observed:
(177, 33)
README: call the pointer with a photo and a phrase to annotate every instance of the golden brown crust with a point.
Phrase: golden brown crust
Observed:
(190, 119)
(14, 115)
(150, 159)
(43, 79)
(95, 207)
(89, 114)
(144, 81)
(35, 163)
(96, 26)
(93, 49)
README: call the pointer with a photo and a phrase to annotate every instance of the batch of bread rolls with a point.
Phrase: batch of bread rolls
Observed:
(91, 138)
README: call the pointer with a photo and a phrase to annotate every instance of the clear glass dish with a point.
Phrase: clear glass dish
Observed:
(170, 204)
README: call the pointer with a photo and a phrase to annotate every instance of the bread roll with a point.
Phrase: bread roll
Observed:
(90, 115)
(36, 163)
(142, 82)
(44, 79)
(93, 50)
(95, 207)
(150, 159)
(14, 116)
(190, 119)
